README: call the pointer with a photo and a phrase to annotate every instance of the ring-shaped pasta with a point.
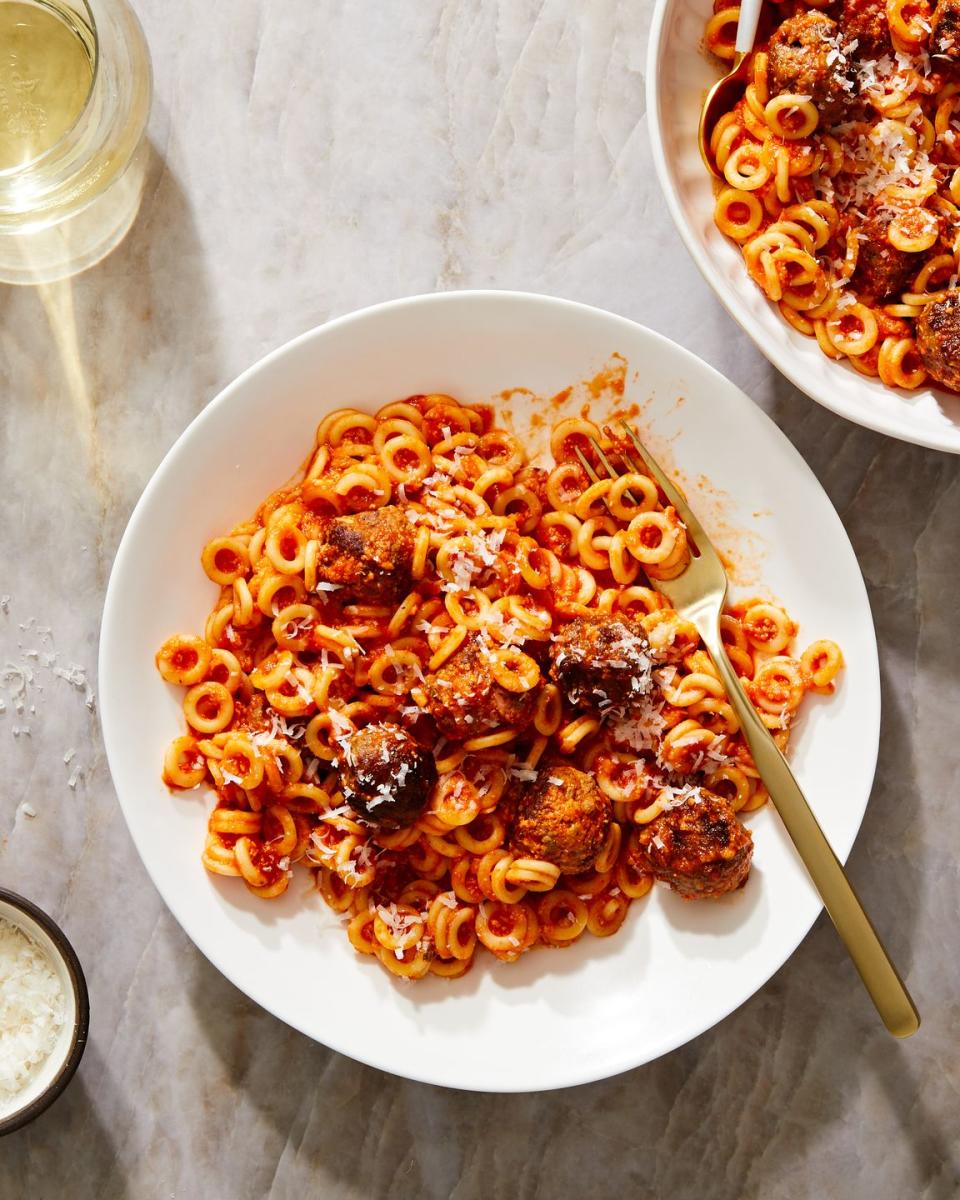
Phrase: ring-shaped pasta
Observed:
(745, 168)
(716, 715)
(652, 537)
(623, 566)
(721, 32)
(610, 850)
(593, 542)
(279, 591)
(767, 627)
(394, 427)
(406, 459)
(284, 546)
(225, 559)
(791, 116)
(514, 670)
(538, 566)
(241, 764)
(522, 504)
(469, 608)
(184, 659)
(778, 685)
(407, 964)
(259, 869)
(395, 672)
(364, 488)
(294, 695)
(562, 916)
(899, 363)
(323, 733)
(632, 494)
(738, 214)
(606, 912)
(564, 486)
(549, 710)
(293, 626)
(489, 741)
(225, 668)
(507, 930)
(279, 831)
(576, 731)
(593, 501)
(235, 822)
(914, 230)
(208, 707)
(853, 330)
(533, 617)
(184, 764)
(684, 747)
(487, 831)
(271, 671)
(822, 661)
(492, 877)
(572, 434)
(629, 876)
(502, 449)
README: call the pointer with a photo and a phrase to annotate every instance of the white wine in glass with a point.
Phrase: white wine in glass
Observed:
(46, 72)
(75, 87)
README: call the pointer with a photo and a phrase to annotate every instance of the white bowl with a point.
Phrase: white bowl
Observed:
(679, 74)
(554, 1018)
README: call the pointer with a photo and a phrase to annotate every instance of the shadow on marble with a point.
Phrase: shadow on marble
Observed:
(123, 329)
(929, 1132)
(68, 1148)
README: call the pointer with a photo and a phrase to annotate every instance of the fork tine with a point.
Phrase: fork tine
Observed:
(611, 471)
(634, 466)
(669, 490)
(585, 463)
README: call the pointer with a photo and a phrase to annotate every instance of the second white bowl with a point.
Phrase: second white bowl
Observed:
(679, 74)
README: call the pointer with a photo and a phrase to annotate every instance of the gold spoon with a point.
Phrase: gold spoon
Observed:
(726, 91)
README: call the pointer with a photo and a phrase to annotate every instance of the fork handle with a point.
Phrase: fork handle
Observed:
(747, 25)
(879, 975)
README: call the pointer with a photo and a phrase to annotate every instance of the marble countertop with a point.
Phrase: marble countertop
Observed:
(311, 158)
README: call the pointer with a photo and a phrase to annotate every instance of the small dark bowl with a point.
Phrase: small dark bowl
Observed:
(66, 1056)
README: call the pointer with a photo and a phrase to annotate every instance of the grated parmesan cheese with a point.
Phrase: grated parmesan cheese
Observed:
(525, 774)
(31, 1010)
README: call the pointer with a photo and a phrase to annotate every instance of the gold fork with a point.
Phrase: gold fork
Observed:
(698, 594)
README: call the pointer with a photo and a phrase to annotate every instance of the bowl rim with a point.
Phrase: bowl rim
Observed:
(788, 364)
(224, 396)
(78, 1042)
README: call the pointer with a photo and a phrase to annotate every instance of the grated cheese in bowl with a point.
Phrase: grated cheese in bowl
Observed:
(32, 1007)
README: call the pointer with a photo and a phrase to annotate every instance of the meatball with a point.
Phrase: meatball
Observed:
(563, 818)
(866, 22)
(945, 38)
(882, 269)
(698, 847)
(385, 775)
(800, 61)
(938, 339)
(601, 660)
(466, 701)
(368, 556)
